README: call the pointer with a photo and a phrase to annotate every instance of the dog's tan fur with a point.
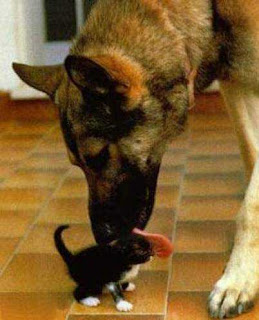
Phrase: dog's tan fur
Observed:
(150, 51)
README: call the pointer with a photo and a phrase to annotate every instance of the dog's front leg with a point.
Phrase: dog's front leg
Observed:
(234, 293)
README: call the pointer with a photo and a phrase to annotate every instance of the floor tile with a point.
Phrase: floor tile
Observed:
(167, 197)
(51, 146)
(170, 177)
(66, 211)
(7, 248)
(143, 299)
(76, 172)
(187, 306)
(48, 162)
(213, 134)
(174, 159)
(13, 156)
(34, 306)
(116, 317)
(214, 165)
(73, 188)
(211, 237)
(19, 142)
(180, 143)
(157, 264)
(207, 185)
(209, 208)
(6, 169)
(6, 126)
(162, 221)
(14, 223)
(36, 273)
(204, 121)
(25, 178)
(223, 147)
(40, 239)
(23, 198)
(30, 127)
(186, 267)
(193, 305)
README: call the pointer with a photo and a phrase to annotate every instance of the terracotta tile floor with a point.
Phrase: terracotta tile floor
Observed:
(200, 189)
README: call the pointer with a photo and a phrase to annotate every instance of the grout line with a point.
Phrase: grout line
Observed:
(215, 157)
(214, 175)
(202, 221)
(118, 314)
(234, 196)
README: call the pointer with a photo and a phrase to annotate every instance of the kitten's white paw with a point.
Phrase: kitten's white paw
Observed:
(91, 302)
(130, 287)
(124, 306)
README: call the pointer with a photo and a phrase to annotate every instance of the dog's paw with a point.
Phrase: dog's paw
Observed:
(90, 302)
(131, 287)
(229, 299)
(124, 306)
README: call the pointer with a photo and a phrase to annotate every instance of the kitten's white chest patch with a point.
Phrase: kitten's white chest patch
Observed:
(132, 273)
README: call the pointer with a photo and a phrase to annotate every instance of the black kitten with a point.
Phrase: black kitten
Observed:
(108, 266)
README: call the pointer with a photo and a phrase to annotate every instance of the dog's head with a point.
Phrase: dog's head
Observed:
(116, 121)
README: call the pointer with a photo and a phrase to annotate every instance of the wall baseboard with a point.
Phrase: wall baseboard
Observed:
(210, 102)
(27, 110)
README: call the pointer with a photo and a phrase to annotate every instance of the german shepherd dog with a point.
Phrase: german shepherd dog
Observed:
(123, 94)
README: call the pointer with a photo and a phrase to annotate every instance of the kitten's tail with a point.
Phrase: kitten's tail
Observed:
(65, 254)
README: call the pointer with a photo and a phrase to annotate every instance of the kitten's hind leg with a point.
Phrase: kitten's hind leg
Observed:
(87, 297)
(128, 286)
(121, 303)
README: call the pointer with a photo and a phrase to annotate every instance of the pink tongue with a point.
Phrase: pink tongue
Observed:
(162, 246)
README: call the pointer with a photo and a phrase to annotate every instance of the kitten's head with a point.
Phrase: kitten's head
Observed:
(134, 249)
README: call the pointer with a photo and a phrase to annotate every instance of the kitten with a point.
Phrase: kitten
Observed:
(108, 266)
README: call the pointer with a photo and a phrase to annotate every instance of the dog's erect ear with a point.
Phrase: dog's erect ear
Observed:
(43, 78)
(86, 73)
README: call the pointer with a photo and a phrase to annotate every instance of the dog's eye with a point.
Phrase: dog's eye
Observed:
(99, 161)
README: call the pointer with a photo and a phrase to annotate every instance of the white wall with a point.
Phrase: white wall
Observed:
(8, 46)
(21, 38)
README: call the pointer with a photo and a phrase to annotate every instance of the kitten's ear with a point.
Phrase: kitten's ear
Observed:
(43, 78)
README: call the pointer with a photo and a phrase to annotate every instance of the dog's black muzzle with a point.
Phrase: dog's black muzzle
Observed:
(128, 206)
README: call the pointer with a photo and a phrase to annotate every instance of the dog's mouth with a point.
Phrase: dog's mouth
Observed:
(129, 206)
